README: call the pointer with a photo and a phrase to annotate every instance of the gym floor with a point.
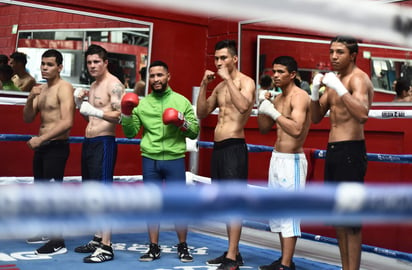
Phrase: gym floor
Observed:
(206, 241)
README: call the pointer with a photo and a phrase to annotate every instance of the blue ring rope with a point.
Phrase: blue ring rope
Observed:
(319, 154)
(323, 239)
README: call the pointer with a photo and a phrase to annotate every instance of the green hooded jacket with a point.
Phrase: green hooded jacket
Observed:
(160, 141)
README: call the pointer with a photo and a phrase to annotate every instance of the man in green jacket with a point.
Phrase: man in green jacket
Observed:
(167, 118)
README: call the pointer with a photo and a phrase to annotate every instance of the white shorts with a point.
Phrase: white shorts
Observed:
(287, 171)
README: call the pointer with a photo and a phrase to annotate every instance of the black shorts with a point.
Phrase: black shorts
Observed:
(230, 160)
(346, 161)
(98, 158)
(50, 159)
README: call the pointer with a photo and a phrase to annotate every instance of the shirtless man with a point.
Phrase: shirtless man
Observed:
(348, 97)
(21, 78)
(102, 111)
(234, 97)
(290, 112)
(54, 102)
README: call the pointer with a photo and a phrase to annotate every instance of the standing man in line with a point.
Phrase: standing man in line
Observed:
(54, 102)
(288, 164)
(21, 78)
(99, 153)
(167, 118)
(234, 97)
(348, 97)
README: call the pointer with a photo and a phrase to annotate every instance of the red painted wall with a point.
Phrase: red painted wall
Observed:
(186, 43)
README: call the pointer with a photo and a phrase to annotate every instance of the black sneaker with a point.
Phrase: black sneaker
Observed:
(52, 247)
(228, 264)
(183, 252)
(101, 254)
(276, 264)
(219, 260)
(89, 247)
(38, 240)
(283, 267)
(153, 253)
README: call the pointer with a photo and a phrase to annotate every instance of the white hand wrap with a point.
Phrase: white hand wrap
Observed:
(76, 94)
(88, 110)
(332, 81)
(314, 93)
(267, 108)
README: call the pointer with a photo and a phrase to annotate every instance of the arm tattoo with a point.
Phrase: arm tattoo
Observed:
(116, 106)
(118, 90)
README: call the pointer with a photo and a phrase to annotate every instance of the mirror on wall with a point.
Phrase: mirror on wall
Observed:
(311, 54)
(127, 41)
(381, 62)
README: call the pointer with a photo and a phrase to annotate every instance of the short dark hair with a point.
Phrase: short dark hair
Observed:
(159, 63)
(19, 57)
(97, 49)
(265, 81)
(4, 60)
(350, 42)
(402, 84)
(7, 71)
(229, 44)
(142, 73)
(54, 53)
(288, 61)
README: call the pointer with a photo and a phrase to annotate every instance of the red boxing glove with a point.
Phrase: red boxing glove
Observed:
(173, 116)
(129, 102)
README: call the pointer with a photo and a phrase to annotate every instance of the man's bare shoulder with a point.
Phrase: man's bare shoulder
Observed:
(113, 79)
(65, 83)
(219, 86)
(360, 80)
(359, 74)
(245, 78)
(64, 89)
(299, 96)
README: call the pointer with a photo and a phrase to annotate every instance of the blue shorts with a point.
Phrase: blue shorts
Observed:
(98, 159)
(159, 171)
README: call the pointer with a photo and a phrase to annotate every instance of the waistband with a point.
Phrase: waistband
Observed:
(55, 142)
(228, 142)
(288, 155)
(99, 139)
(347, 144)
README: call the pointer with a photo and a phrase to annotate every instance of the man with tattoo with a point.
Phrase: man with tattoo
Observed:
(102, 111)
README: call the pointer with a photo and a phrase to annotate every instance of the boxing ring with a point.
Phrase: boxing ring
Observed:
(78, 210)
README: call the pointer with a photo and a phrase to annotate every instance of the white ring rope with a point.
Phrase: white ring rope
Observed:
(370, 19)
(388, 114)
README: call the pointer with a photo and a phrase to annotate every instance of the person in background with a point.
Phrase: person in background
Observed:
(6, 73)
(403, 90)
(140, 86)
(99, 152)
(235, 97)
(167, 118)
(54, 102)
(302, 83)
(348, 97)
(266, 88)
(21, 78)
